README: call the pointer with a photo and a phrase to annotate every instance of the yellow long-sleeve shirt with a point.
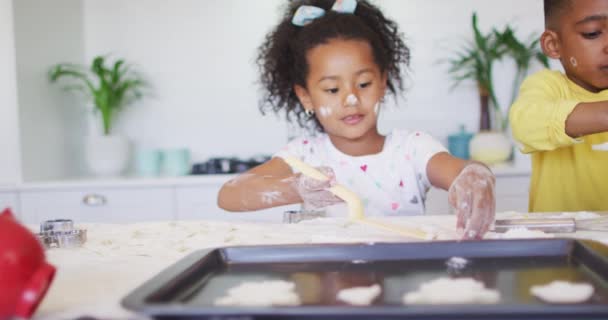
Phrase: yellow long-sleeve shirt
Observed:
(567, 174)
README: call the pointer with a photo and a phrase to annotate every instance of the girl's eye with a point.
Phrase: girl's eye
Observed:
(591, 35)
(365, 85)
(332, 90)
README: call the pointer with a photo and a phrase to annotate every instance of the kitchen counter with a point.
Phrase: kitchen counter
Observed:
(91, 280)
(500, 170)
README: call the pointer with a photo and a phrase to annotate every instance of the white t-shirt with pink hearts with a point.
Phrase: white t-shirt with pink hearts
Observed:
(392, 182)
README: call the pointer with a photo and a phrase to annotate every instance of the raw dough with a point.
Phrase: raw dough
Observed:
(261, 294)
(359, 296)
(563, 292)
(355, 205)
(452, 291)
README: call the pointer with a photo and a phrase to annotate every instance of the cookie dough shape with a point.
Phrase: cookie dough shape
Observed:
(563, 292)
(359, 296)
(261, 294)
(452, 291)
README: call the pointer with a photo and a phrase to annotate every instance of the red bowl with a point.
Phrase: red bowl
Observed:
(24, 274)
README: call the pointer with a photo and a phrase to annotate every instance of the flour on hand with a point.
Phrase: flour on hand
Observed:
(261, 294)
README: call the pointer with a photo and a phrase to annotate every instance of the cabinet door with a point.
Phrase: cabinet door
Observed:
(512, 193)
(200, 202)
(437, 202)
(106, 205)
(10, 166)
(9, 200)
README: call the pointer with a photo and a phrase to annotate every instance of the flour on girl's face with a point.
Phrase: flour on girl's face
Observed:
(351, 100)
(325, 111)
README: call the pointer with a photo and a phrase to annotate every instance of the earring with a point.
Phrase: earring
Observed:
(309, 113)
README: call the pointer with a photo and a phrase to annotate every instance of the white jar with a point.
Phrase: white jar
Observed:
(490, 147)
(107, 155)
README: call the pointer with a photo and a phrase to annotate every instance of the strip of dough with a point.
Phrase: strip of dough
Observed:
(355, 206)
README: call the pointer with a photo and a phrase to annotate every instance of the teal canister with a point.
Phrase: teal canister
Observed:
(458, 143)
(148, 162)
(176, 162)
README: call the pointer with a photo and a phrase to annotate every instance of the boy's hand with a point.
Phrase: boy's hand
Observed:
(471, 195)
(315, 193)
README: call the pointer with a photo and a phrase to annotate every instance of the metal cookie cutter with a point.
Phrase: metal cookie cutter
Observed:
(295, 216)
(60, 233)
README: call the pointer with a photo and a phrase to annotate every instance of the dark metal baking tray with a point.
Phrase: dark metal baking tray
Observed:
(187, 289)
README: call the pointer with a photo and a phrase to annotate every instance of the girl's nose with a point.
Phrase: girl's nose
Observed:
(351, 101)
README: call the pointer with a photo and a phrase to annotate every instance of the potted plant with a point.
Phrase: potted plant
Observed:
(109, 87)
(475, 62)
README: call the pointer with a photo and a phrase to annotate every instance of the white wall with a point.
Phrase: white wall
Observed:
(51, 120)
(199, 53)
(437, 28)
(9, 131)
(199, 56)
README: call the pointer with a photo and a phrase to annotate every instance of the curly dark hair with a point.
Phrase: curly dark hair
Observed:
(282, 56)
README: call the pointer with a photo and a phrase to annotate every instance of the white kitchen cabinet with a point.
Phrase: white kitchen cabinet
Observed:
(187, 198)
(200, 202)
(437, 202)
(109, 205)
(10, 169)
(9, 200)
(512, 193)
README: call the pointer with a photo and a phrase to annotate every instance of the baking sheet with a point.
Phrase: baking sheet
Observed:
(188, 288)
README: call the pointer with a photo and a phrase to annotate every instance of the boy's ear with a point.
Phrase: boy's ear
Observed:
(304, 97)
(549, 42)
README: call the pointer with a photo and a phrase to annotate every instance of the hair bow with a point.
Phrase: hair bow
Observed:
(306, 14)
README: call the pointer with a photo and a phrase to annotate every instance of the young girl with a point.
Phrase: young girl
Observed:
(329, 64)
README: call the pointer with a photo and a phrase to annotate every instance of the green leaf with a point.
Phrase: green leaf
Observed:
(115, 86)
(475, 60)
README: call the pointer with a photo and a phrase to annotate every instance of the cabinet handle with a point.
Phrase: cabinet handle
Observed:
(94, 200)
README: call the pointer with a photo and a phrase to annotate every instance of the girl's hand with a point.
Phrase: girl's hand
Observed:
(471, 195)
(315, 193)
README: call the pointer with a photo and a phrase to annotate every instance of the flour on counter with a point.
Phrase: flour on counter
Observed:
(581, 215)
(563, 292)
(261, 294)
(119, 257)
(452, 291)
(519, 233)
(359, 296)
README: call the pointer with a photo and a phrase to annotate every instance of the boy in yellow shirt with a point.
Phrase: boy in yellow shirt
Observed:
(562, 119)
